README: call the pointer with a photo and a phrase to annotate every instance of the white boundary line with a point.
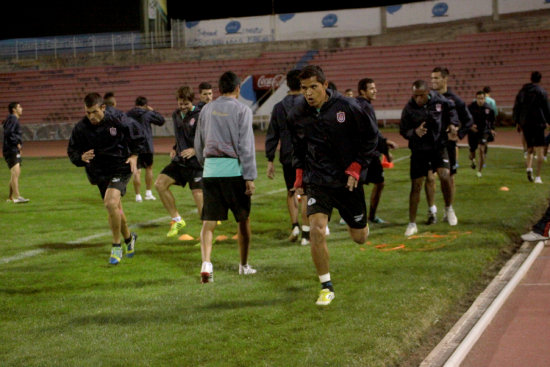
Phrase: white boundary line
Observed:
(466, 345)
(31, 253)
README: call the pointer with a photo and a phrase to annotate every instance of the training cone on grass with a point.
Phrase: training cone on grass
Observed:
(504, 188)
(386, 163)
(186, 237)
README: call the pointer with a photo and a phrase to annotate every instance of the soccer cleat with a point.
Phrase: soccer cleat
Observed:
(327, 231)
(116, 255)
(325, 297)
(304, 242)
(538, 180)
(377, 220)
(246, 270)
(207, 273)
(533, 237)
(473, 165)
(294, 234)
(411, 229)
(451, 216)
(530, 175)
(478, 174)
(130, 247)
(149, 196)
(432, 218)
(20, 200)
(139, 199)
(342, 221)
(175, 227)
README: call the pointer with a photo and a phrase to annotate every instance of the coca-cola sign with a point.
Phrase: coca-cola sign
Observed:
(268, 81)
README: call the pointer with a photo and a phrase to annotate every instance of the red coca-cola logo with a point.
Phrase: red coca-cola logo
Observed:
(268, 81)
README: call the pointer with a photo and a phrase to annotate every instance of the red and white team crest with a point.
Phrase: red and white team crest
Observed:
(487, 111)
(341, 116)
(112, 131)
(192, 121)
(438, 107)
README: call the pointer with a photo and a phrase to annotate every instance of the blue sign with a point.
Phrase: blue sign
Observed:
(440, 9)
(330, 20)
(192, 24)
(289, 16)
(233, 27)
(393, 8)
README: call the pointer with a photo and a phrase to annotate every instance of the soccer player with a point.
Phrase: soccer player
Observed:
(224, 145)
(540, 231)
(109, 99)
(423, 123)
(12, 150)
(278, 130)
(184, 167)
(439, 79)
(375, 173)
(349, 93)
(145, 115)
(484, 125)
(333, 141)
(205, 94)
(107, 143)
(532, 113)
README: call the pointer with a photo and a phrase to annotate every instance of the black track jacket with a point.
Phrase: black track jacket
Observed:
(278, 129)
(184, 130)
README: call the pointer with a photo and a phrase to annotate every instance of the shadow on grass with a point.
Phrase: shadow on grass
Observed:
(66, 246)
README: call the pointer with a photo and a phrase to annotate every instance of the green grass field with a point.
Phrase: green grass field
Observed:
(61, 304)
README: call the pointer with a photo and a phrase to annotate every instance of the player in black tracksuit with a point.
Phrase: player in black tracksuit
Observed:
(146, 116)
(279, 131)
(107, 143)
(12, 150)
(439, 79)
(532, 114)
(424, 123)
(375, 173)
(482, 128)
(333, 141)
(184, 167)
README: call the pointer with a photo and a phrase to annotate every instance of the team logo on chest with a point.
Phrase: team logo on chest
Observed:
(112, 131)
(192, 121)
(438, 107)
(340, 116)
(487, 111)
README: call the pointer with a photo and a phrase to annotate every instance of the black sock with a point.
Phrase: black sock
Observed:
(328, 285)
(295, 225)
(305, 234)
(116, 244)
(128, 240)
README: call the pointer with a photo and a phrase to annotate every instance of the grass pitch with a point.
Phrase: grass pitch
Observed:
(61, 304)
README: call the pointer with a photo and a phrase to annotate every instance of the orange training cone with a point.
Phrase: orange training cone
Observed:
(385, 162)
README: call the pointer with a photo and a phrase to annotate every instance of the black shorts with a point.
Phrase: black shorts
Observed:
(221, 194)
(423, 161)
(534, 136)
(474, 139)
(145, 160)
(451, 153)
(183, 175)
(350, 204)
(13, 159)
(375, 172)
(290, 176)
(118, 182)
(547, 140)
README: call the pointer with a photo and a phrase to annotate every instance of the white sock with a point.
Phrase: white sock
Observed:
(324, 278)
(529, 170)
(206, 267)
(177, 219)
(448, 207)
(433, 209)
(305, 228)
(148, 193)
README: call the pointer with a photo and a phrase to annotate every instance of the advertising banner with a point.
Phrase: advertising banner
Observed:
(268, 81)
(229, 31)
(514, 6)
(437, 12)
(328, 24)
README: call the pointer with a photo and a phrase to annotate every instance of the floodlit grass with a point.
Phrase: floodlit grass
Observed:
(64, 306)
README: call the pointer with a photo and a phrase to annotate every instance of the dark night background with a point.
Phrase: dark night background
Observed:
(56, 18)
